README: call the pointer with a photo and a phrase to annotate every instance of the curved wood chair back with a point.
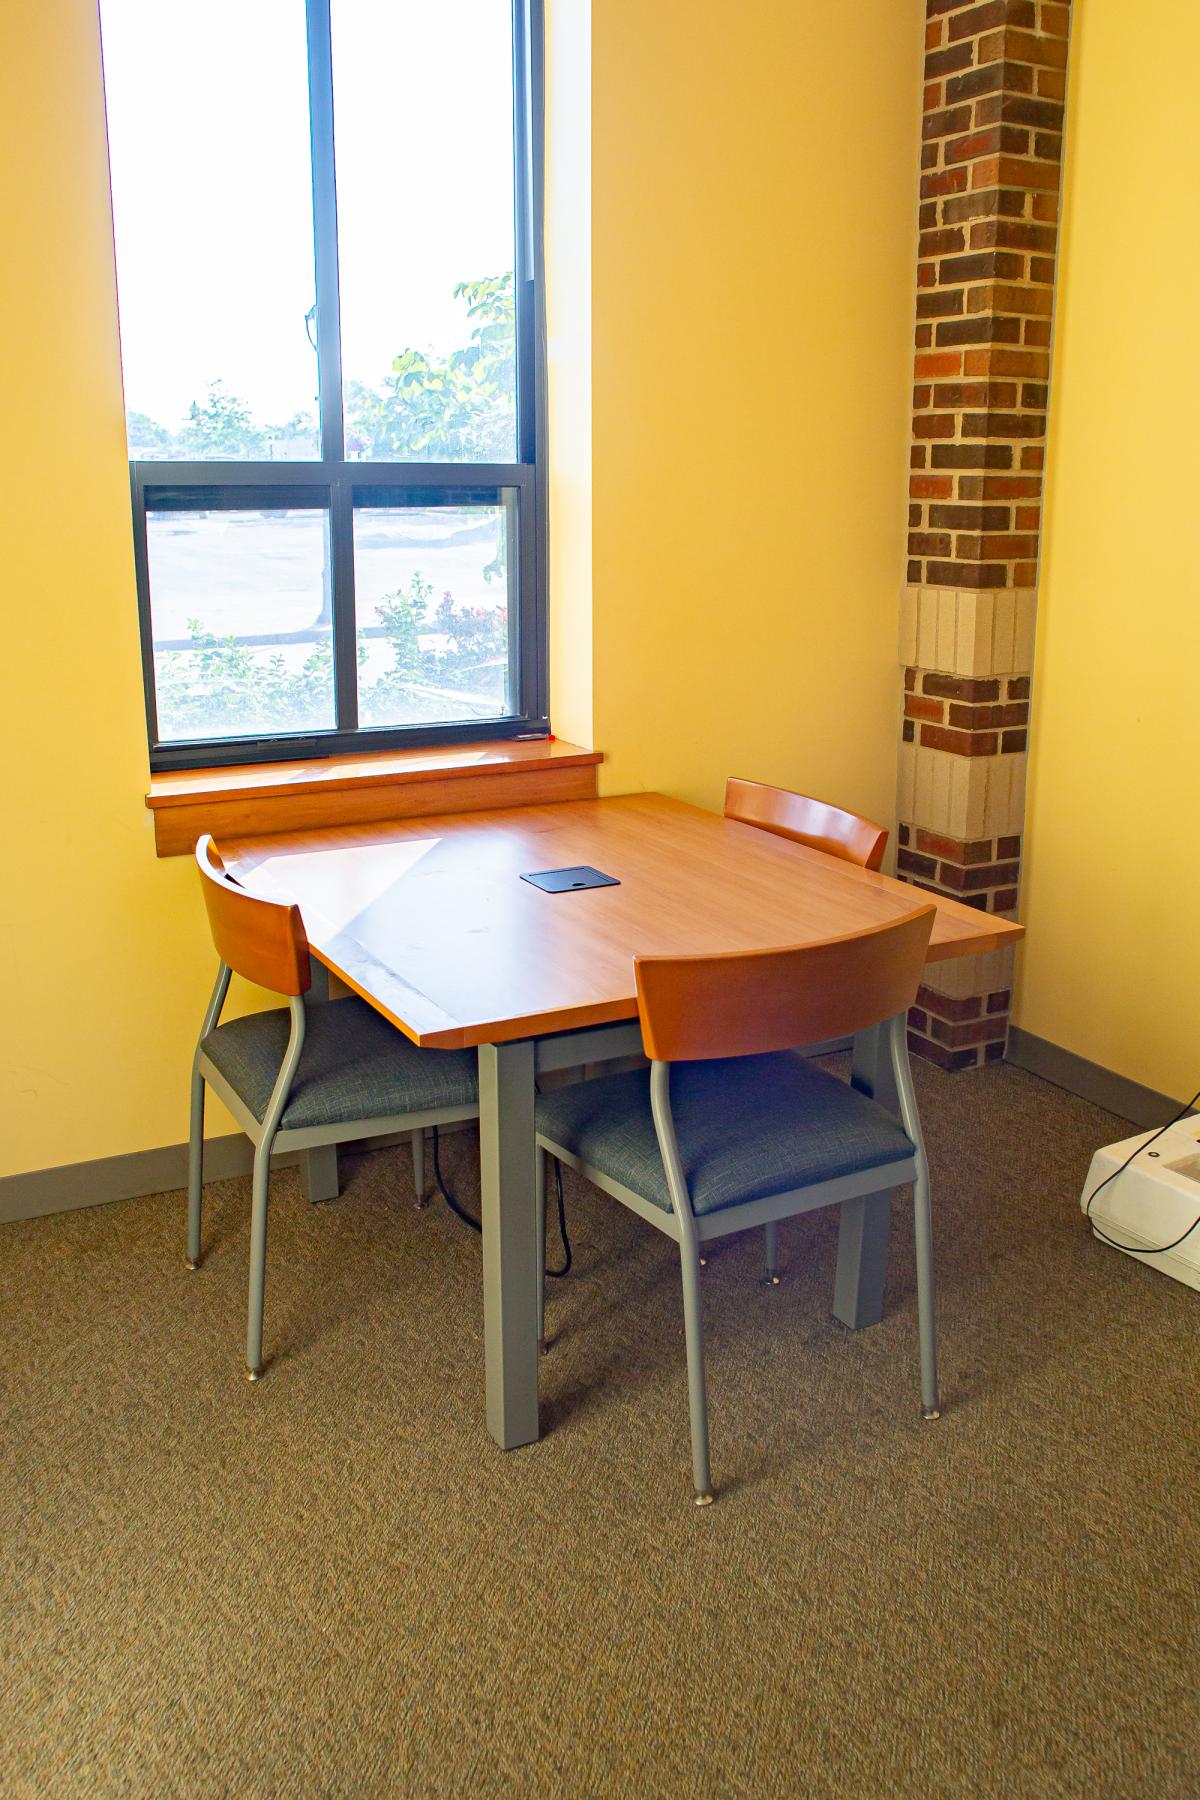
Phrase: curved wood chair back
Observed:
(807, 821)
(697, 1007)
(264, 940)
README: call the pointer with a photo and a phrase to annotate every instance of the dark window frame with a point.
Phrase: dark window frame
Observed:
(333, 484)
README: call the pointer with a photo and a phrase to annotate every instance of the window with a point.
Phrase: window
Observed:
(327, 225)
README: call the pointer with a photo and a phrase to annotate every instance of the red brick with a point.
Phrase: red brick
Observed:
(938, 304)
(983, 329)
(1025, 47)
(930, 487)
(1055, 20)
(948, 61)
(1013, 234)
(934, 425)
(950, 1006)
(1044, 207)
(974, 688)
(1013, 172)
(917, 708)
(933, 34)
(921, 396)
(966, 574)
(938, 362)
(946, 181)
(929, 543)
(1005, 900)
(987, 718)
(992, 12)
(959, 743)
(1019, 109)
(969, 518)
(1028, 518)
(958, 394)
(980, 548)
(988, 142)
(1033, 456)
(1024, 574)
(999, 359)
(1008, 847)
(943, 242)
(1005, 202)
(1000, 425)
(999, 1002)
(989, 77)
(972, 456)
(1041, 268)
(1018, 687)
(953, 849)
(949, 1060)
(914, 864)
(1048, 144)
(916, 457)
(910, 682)
(1014, 741)
(1010, 297)
(1052, 82)
(947, 123)
(983, 265)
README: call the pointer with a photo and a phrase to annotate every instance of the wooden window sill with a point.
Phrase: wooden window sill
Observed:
(343, 790)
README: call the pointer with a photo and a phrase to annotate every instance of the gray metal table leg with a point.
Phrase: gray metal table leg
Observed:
(864, 1225)
(507, 1156)
(319, 1167)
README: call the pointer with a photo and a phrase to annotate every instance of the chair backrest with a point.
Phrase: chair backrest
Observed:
(264, 940)
(807, 821)
(697, 1007)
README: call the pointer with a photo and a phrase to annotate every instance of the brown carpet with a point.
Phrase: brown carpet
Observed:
(334, 1584)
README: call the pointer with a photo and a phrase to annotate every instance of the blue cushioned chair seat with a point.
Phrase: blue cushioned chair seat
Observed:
(747, 1127)
(354, 1066)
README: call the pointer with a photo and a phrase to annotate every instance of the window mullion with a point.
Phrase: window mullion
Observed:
(329, 305)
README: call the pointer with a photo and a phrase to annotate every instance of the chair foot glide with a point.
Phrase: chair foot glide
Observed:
(770, 1281)
(930, 1413)
(191, 1262)
(252, 1375)
(702, 1499)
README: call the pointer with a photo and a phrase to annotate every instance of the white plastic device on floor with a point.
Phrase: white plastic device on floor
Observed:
(1155, 1199)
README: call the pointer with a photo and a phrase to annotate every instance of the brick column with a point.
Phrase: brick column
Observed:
(995, 76)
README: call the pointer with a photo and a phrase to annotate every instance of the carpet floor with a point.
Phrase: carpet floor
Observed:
(332, 1583)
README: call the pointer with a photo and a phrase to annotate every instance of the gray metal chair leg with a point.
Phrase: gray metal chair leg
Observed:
(258, 1261)
(195, 1170)
(417, 1140)
(540, 1193)
(931, 1404)
(771, 1233)
(689, 1263)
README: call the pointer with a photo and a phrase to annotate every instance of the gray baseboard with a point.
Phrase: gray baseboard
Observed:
(1143, 1106)
(161, 1171)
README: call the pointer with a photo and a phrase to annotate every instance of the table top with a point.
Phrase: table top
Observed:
(429, 920)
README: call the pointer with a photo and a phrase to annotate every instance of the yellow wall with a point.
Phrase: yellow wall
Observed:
(754, 212)
(753, 186)
(1111, 968)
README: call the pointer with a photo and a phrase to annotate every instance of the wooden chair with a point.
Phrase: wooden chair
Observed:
(814, 822)
(335, 1072)
(729, 1130)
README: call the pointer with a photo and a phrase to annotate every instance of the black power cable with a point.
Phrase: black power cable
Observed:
(1136, 1249)
(474, 1223)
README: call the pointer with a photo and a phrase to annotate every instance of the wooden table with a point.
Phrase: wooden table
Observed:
(429, 921)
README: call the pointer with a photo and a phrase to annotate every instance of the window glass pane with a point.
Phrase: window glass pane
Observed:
(212, 207)
(433, 601)
(423, 130)
(240, 616)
